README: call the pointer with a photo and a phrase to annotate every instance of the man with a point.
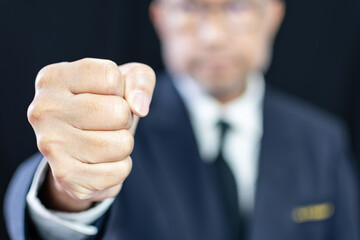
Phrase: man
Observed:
(220, 156)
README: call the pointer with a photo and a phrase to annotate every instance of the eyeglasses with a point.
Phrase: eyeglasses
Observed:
(235, 15)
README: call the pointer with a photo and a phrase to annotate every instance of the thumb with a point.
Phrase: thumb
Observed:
(139, 87)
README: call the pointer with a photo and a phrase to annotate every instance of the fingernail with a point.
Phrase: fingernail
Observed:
(141, 103)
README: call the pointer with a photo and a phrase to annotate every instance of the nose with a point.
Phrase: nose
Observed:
(212, 31)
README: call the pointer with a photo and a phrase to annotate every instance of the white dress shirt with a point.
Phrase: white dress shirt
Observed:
(241, 151)
(242, 142)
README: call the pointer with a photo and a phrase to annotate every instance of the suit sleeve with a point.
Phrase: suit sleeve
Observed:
(31, 220)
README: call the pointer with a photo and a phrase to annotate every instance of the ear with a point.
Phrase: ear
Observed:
(275, 16)
(156, 13)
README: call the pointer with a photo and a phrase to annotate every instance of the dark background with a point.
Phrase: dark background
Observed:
(316, 57)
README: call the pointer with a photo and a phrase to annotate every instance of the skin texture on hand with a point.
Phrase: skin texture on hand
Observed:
(84, 115)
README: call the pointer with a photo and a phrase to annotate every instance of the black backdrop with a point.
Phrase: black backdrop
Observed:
(316, 56)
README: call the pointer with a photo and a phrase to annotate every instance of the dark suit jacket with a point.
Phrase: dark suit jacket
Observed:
(305, 188)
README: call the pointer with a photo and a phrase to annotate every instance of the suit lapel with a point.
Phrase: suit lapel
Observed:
(275, 187)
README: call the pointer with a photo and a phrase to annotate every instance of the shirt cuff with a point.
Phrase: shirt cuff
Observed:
(61, 225)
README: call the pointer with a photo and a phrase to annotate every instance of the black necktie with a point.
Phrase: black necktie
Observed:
(227, 189)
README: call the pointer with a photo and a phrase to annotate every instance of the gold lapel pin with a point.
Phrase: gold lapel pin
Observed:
(314, 212)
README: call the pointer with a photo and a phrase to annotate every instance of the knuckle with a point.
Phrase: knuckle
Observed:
(112, 76)
(90, 105)
(60, 175)
(86, 63)
(123, 114)
(109, 177)
(118, 174)
(126, 143)
(33, 114)
(102, 143)
(50, 75)
(107, 181)
(112, 176)
(43, 77)
(123, 171)
(86, 66)
(127, 168)
(38, 110)
(113, 191)
(45, 144)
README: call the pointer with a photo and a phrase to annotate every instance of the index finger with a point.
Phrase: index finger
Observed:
(95, 76)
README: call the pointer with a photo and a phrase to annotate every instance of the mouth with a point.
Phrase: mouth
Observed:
(215, 63)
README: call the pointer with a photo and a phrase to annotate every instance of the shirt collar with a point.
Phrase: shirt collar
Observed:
(243, 113)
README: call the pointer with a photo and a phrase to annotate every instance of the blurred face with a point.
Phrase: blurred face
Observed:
(217, 42)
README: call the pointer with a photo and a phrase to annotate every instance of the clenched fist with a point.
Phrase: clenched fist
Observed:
(84, 115)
